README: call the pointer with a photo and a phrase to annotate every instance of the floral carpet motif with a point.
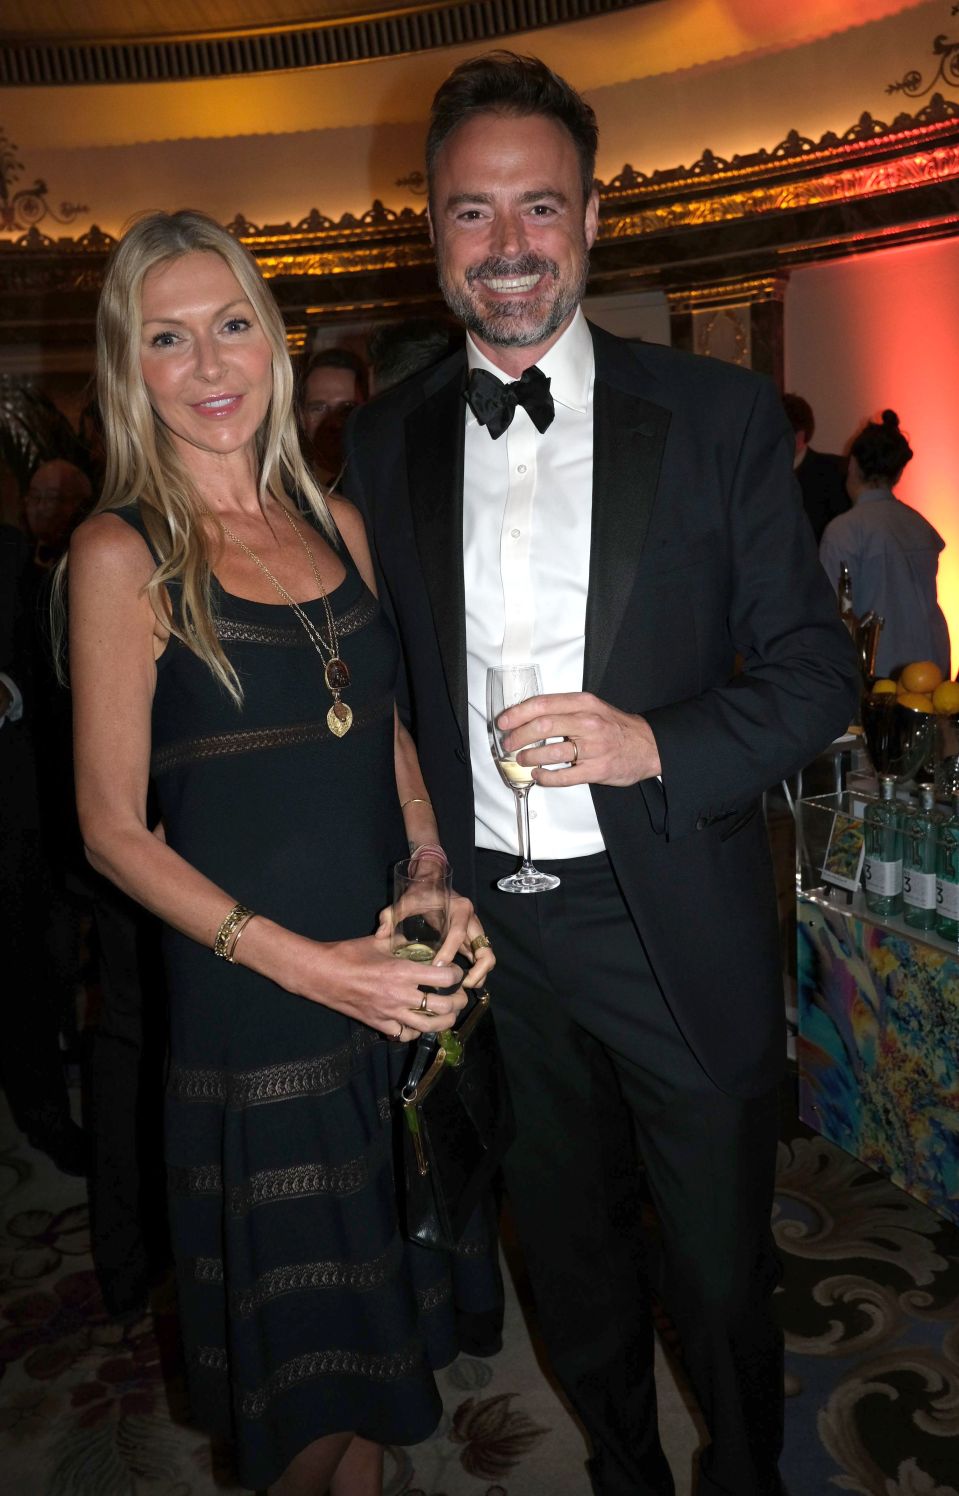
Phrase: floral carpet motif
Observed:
(870, 1306)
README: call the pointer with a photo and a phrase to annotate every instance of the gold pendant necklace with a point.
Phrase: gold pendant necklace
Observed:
(336, 672)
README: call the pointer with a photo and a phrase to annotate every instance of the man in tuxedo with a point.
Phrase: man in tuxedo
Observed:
(821, 475)
(626, 516)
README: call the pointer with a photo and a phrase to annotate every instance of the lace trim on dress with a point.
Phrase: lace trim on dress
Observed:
(245, 631)
(203, 1179)
(432, 1298)
(269, 1185)
(237, 1089)
(251, 740)
(210, 1357)
(306, 1277)
(377, 1368)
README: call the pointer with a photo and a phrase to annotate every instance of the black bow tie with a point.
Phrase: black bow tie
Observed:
(493, 403)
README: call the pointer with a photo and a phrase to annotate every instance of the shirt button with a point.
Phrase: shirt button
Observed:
(516, 534)
(521, 467)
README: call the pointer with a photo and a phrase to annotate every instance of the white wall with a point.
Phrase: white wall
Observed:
(882, 330)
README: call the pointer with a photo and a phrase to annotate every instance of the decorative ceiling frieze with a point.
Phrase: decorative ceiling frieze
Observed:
(946, 71)
(264, 49)
(27, 206)
(689, 231)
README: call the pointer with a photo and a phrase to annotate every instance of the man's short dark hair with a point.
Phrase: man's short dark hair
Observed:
(504, 83)
(799, 414)
(336, 358)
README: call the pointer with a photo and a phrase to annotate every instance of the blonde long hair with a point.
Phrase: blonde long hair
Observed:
(142, 463)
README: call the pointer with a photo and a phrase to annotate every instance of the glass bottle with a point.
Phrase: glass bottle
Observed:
(882, 866)
(920, 829)
(844, 594)
(947, 877)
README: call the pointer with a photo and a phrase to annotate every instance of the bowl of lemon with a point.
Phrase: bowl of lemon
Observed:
(924, 707)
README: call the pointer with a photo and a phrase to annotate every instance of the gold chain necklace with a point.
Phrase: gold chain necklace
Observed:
(336, 674)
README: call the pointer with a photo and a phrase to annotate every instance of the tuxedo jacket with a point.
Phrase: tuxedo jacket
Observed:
(700, 552)
(823, 486)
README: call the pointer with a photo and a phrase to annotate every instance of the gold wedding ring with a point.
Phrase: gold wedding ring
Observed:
(480, 943)
(399, 1030)
(575, 758)
(423, 1005)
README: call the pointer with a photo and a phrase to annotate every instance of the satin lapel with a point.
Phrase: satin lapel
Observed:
(629, 436)
(434, 462)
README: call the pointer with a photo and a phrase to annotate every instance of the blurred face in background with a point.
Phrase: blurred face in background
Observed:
(57, 494)
(330, 395)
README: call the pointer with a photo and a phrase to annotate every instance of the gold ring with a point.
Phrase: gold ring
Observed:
(399, 1029)
(480, 943)
(575, 758)
(423, 1004)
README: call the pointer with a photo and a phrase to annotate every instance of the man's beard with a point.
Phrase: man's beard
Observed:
(520, 323)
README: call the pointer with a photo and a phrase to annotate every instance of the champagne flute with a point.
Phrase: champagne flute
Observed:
(420, 920)
(421, 908)
(507, 687)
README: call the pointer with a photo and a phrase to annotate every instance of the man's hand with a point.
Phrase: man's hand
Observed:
(611, 747)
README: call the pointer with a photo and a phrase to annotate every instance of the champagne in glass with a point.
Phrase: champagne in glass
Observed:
(421, 908)
(507, 687)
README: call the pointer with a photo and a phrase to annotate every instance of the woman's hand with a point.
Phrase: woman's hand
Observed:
(464, 932)
(362, 979)
(466, 936)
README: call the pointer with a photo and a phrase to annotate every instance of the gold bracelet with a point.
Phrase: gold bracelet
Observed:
(230, 955)
(229, 932)
(416, 800)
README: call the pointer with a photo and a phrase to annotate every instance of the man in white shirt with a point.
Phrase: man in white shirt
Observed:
(624, 516)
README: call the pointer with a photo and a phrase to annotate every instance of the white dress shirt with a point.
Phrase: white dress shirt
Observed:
(527, 513)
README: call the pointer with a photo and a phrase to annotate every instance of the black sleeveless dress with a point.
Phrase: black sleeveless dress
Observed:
(303, 1310)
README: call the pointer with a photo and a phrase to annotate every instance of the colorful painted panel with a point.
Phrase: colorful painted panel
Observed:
(879, 1049)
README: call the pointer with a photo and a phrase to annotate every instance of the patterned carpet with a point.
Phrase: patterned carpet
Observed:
(94, 1408)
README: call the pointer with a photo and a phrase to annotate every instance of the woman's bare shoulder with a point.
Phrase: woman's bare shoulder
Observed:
(349, 522)
(347, 518)
(108, 543)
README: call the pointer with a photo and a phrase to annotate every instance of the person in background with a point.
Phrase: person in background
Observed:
(250, 673)
(31, 1016)
(625, 515)
(56, 497)
(891, 551)
(399, 349)
(333, 383)
(820, 474)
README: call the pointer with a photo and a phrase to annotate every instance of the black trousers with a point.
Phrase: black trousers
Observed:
(598, 1067)
(126, 1062)
(31, 1070)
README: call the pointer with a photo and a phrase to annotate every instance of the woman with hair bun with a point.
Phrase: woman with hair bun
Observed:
(891, 551)
(226, 642)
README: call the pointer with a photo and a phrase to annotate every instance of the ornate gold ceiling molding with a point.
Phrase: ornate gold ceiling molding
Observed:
(731, 293)
(359, 38)
(719, 223)
(938, 165)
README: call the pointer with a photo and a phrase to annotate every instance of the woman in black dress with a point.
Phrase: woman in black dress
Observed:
(230, 646)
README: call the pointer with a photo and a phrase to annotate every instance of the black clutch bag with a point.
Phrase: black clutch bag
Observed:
(457, 1123)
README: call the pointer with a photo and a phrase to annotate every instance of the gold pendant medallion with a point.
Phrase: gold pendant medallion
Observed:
(339, 719)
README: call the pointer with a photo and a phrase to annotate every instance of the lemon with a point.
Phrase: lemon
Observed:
(922, 676)
(916, 701)
(945, 698)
